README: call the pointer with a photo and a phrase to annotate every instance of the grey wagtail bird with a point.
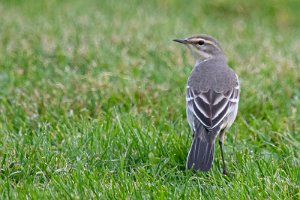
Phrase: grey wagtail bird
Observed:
(212, 96)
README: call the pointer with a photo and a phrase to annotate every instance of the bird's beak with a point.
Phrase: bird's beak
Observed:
(183, 41)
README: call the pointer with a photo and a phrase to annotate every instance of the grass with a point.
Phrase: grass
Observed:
(92, 99)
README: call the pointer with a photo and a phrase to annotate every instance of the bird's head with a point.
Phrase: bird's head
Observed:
(202, 46)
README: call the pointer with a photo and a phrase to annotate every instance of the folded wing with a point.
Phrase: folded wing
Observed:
(211, 107)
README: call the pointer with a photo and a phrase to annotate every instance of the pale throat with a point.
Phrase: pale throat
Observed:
(200, 56)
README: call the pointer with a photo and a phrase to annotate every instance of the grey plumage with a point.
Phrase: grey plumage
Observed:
(212, 97)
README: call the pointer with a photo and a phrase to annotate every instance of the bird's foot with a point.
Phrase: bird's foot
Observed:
(225, 173)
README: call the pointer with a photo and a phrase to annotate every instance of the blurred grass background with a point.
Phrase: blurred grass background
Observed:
(92, 99)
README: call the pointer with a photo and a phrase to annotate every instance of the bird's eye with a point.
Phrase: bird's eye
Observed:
(201, 42)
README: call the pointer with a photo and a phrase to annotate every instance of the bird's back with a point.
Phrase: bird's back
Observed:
(213, 74)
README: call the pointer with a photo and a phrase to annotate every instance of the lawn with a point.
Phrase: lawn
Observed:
(92, 99)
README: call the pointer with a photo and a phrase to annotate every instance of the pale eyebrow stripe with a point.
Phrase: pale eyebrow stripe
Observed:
(206, 41)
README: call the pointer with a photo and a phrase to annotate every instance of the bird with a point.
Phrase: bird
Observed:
(212, 98)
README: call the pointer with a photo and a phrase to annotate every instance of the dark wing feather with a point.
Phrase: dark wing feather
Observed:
(211, 107)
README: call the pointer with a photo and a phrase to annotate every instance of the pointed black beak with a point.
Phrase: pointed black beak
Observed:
(183, 41)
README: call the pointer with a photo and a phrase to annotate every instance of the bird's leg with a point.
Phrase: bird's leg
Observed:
(221, 139)
(222, 154)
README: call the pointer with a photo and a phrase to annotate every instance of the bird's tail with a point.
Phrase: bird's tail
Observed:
(201, 153)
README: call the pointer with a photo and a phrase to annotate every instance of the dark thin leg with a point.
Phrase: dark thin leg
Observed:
(222, 154)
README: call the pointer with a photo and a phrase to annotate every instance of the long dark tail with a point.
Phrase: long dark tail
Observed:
(201, 153)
